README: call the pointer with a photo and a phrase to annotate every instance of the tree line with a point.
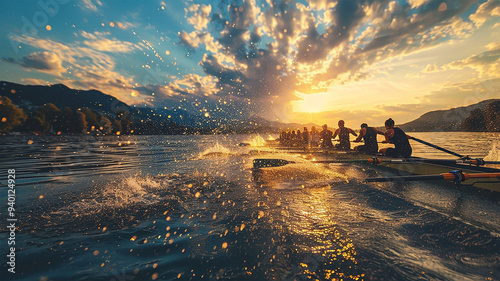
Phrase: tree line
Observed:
(483, 120)
(50, 119)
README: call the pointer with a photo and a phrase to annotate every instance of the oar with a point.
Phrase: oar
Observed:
(456, 176)
(267, 163)
(437, 147)
(376, 160)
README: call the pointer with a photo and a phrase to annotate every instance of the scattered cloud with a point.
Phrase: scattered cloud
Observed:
(47, 62)
(87, 68)
(486, 64)
(462, 94)
(430, 68)
(90, 5)
(34, 81)
(417, 3)
(99, 42)
(486, 11)
(200, 16)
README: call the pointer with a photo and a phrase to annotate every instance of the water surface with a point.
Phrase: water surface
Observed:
(189, 208)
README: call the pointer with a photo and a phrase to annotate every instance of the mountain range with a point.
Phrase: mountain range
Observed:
(449, 120)
(34, 96)
(30, 97)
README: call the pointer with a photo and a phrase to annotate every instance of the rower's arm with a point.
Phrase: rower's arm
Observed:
(352, 132)
(336, 133)
(388, 135)
(361, 134)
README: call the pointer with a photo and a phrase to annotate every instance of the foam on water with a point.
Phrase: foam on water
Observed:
(216, 150)
(257, 141)
(125, 192)
(121, 203)
(494, 153)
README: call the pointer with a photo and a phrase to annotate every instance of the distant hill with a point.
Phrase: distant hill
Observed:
(32, 97)
(443, 120)
(28, 96)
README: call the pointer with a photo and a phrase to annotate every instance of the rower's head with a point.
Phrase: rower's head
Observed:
(364, 125)
(341, 123)
(389, 123)
(325, 127)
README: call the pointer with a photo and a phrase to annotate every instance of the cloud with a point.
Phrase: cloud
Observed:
(122, 25)
(405, 109)
(417, 3)
(192, 85)
(431, 68)
(266, 53)
(44, 61)
(99, 42)
(345, 17)
(90, 5)
(33, 81)
(487, 64)
(353, 118)
(200, 16)
(463, 94)
(47, 62)
(402, 24)
(485, 12)
(110, 45)
(90, 68)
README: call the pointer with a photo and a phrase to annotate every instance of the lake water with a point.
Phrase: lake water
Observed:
(188, 208)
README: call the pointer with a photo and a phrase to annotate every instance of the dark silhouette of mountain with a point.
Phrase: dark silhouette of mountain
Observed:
(31, 97)
(28, 96)
(443, 120)
(148, 120)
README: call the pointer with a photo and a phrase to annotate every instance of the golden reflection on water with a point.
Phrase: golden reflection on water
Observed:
(310, 220)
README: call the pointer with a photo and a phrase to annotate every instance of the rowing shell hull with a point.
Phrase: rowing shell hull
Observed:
(420, 168)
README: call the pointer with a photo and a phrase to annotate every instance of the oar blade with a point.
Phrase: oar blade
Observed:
(268, 163)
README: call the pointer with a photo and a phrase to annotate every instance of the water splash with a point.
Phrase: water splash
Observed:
(257, 141)
(298, 175)
(125, 203)
(494, 153)
(122, 193)
(216, 150)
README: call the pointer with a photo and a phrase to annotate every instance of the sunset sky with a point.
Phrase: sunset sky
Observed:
(292, 61)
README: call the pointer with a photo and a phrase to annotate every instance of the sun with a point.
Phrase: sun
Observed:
(311, 103)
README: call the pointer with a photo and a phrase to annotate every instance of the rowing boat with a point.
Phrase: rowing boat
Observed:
(406, 166)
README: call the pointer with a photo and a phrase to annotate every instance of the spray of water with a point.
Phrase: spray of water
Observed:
(494, 153)
(216, 150)
(257, 141)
